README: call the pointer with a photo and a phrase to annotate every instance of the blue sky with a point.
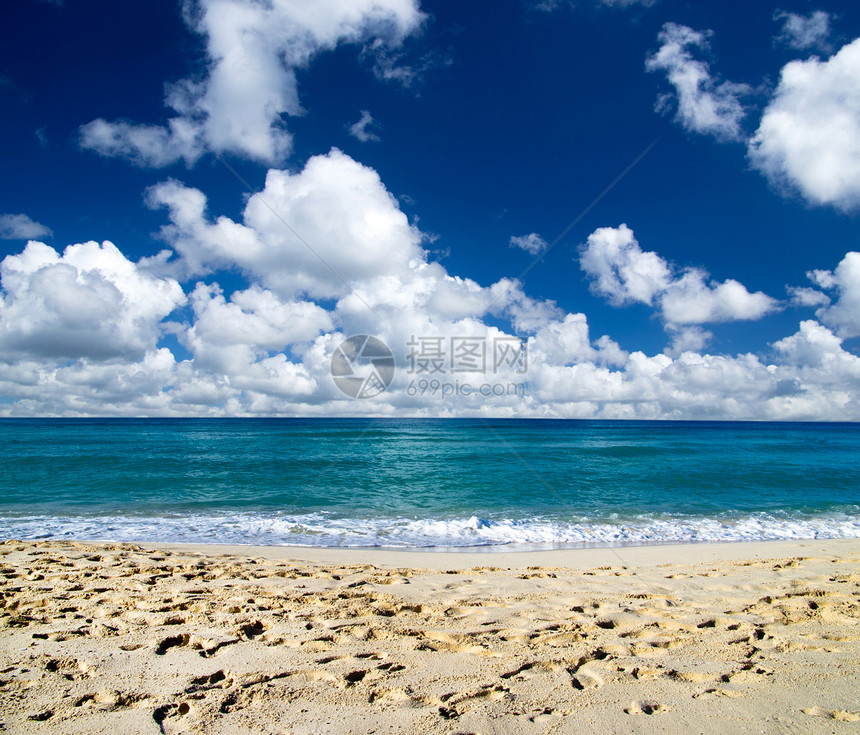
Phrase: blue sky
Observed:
(407, 162)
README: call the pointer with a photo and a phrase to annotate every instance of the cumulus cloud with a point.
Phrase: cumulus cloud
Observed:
(806, 297)
(620, 270)
(623, 273)
(813, 345)
(253, 51)
(362, 129)
(246, 338)
(562, 342)
(329, 232)
(695, 385)
(810, 377)
(89, 302)
(802, 32)
(254, 318)
(843, 313)
(531, 243)
(703, 105)
(809, 137)
(21, 227)
(693, 299)
(314, 232)
(687, 339)
(83, 332)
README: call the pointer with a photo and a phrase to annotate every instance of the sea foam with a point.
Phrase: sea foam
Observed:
(329, 530)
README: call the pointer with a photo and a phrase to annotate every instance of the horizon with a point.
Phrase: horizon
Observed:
(477, 419)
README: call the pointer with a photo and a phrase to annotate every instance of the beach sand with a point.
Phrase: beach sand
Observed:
(729, 638)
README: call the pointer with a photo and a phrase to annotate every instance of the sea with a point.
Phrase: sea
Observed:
(426, 483)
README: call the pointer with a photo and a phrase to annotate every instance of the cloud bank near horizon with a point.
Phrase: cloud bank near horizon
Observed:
(87, 331)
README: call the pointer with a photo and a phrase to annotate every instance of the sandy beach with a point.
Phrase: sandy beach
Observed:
(729, 638)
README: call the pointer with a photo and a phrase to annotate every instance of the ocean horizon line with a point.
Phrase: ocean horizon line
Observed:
(482, 419)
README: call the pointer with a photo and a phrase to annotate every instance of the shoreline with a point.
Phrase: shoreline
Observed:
(456, 534)
(569, 558)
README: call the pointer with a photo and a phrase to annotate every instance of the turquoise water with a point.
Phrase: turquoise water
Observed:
(426, 483)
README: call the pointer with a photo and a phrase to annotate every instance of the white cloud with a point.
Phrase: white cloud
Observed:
(620, 270)
(687, 339)
(808, 139)
(347, 240)
(805, 297)
(609, 352)
(531, 243)
(390, 64)
(526, 314)
(80, 333)
(704, 106)
(91, 302)
(813, 377)
(88, 387)
(843, 314)
(624, 274)
(237, 339)
(203, 247)
(809, 136)
(146, 145)
(257, 317)
(361, 129)
(317, 232)
(562, 342)
(21, 227)
(691, 299)
(228, 335)
(804, 32)
(253, 51)
(813, 345)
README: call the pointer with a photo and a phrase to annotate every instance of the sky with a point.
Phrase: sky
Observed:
(618, 209)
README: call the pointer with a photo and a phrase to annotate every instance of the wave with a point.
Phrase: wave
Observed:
(328, 530)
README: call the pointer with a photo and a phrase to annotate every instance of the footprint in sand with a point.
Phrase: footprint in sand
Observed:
(169, 710)
(391, 695)
(645, 707)
(545, 717)
(840, 715)
(458, 703)
(585, 679)
(218, 680)
(695, 677)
